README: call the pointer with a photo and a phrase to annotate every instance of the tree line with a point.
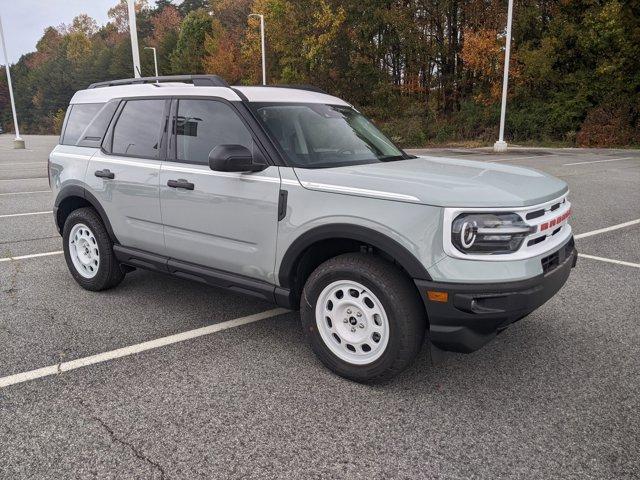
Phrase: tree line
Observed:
(426, 71)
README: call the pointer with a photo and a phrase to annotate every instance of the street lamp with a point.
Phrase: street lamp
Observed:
(264, 62)
(501, 145)
(17, 142)
(155, 58)
(133, 31)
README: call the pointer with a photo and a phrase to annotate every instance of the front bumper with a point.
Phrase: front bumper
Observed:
(475, 313)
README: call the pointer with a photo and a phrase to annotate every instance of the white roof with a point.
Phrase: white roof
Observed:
(293, 95)
(104, 94)
(254, 94)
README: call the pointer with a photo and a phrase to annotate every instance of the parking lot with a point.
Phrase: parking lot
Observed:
(239, 394)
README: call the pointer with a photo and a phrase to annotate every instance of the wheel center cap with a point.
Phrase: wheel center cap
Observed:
(352, 320)
(84, 251)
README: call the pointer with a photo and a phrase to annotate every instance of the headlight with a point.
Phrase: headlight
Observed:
(489, 233)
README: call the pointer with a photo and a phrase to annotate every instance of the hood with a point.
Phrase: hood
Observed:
(439, 181)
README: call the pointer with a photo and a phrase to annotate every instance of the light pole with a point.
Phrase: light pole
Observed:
(155, 58)
(17, 142)
(264, 61)
(501, 145)
(133, 31)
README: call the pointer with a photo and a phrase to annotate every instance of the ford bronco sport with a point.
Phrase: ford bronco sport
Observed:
(292, 195)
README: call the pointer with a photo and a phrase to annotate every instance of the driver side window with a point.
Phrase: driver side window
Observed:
(202, 125)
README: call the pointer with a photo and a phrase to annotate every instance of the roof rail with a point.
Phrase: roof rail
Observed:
(309, 88)
(197, 80)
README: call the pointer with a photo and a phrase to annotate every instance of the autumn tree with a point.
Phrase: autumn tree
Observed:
(164, 37)
(425, 70)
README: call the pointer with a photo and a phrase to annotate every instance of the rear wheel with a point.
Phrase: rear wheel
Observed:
(88, 251)
(363, 317)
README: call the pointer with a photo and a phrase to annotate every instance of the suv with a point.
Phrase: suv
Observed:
(291, 195)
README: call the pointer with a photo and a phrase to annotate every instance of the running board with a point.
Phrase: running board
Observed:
(211, 276)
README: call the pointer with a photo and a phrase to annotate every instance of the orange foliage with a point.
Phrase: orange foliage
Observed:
(223, 58)
(168, 20)
(483, 54)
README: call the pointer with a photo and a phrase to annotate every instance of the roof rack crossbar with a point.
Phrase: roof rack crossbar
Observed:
(197, 80)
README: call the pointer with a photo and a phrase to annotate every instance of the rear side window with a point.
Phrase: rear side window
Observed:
(92, 135)
(137, 131)
(202, 125)
(80, 116)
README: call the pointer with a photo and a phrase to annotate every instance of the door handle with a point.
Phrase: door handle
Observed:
(106, 173)
(181, 183)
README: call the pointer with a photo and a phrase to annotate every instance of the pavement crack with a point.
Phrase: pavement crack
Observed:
(12, 289)
(60, 361)
(117, 439)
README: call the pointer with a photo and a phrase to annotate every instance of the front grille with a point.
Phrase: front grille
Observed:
(535, 214)
(530, 243)
(551, 262)
(546, 222)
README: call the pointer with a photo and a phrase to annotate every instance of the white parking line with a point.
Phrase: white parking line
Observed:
(133, 349)
(19, 179)
(599, 161)
(24, 193)
(609, 260)
(33, 255)
(607, 229)
(25, 214)
(520, 158)
(23, 163)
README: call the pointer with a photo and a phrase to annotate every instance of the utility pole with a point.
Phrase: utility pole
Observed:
(133, 31)
(264, 61)
(18, 142)
(501, 145)
(155, 58)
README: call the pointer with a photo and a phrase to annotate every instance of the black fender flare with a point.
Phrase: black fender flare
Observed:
(81, 192)
(382, 242)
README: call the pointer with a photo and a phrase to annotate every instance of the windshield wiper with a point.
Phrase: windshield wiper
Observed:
(391, 158)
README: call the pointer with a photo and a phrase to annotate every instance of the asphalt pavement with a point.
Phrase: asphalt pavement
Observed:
(556, 395)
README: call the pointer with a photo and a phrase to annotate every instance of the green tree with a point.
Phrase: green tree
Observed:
(187, 57)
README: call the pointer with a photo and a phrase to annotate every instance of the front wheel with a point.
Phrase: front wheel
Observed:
(363, 317)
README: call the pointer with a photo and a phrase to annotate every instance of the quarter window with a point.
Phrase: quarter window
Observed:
(138, 129)
(80, 116)
(93, 134)
(202, 125)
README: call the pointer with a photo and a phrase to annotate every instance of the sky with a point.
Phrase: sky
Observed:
(24, 21)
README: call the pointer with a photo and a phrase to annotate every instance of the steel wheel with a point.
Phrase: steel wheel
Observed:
(84, 251)
(352, 322)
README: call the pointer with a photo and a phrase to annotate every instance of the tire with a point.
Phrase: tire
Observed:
(380, 288)
(90, 257)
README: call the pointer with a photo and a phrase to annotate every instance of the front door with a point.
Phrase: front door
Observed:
(222, 220)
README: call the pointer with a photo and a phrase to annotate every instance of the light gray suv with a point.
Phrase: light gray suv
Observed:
(290, 194)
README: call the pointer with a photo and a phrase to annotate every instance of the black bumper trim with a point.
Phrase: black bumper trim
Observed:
(475, 313)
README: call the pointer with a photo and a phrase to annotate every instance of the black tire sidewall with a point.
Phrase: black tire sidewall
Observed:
(105, 276)
(391, 301)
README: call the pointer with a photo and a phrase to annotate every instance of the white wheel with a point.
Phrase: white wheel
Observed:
(352, 322)
(84, 251)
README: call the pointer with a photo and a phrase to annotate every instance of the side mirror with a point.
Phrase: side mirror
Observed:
(233, 158)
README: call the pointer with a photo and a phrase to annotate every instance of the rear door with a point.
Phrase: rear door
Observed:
(222, 220)
(124, 175)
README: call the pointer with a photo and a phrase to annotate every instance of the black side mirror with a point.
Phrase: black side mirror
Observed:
(233, 158)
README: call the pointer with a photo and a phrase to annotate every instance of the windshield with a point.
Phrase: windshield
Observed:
(315, 135)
